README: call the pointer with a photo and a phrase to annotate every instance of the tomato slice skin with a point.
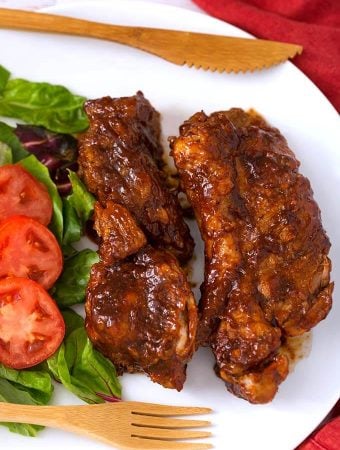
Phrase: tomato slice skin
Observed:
(22, 194)
(29, 249)
(31, 325)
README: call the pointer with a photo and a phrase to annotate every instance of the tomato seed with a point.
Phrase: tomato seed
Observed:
(36, 345)
(33, 240)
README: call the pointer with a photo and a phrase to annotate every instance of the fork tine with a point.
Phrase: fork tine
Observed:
(152, 409)
(150, 444)
(160, 422)
(161, 433)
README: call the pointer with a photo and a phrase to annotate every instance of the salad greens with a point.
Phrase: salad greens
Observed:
(51, 106)
(72, 227)
(78, 208)
(25, 387)
(80, 368)
(37, 384)
(5, 154)
(4, 77)
(51, 158)
(70, 288)
(8, 137)
(81, 200)
(58, 152)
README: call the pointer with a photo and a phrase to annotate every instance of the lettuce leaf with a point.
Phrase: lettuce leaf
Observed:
(37, 383)
(71, 286)
(81, 200)
(58, 152)
(78, 208)
(73, 228)
(51, 106)
(4, 77)
(24, 387)
(8, 137)
(81, 369)
(5, 154)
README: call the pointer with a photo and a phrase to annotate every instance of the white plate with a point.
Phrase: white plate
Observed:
(291, 103)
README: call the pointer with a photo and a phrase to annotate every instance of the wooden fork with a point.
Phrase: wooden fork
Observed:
(127, 425)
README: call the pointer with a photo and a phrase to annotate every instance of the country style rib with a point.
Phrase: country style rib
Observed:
(140, 311)
(120, 159)
(266, 265)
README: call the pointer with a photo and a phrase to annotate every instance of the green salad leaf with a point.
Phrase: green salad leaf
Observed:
(71, 286)
(8, 137)
(73, 229)
(39, 171)
(72, 320)
(81, 200)
(5, 154)
(11, 394)
(81, 369)
(51, 106)
(78, 208)
(36, 382)
(4, 77)
(24, 387)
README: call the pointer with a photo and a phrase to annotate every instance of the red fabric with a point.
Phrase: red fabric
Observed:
(314, 24)
(327, 438)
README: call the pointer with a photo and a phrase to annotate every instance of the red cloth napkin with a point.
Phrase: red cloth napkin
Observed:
(315, 24)
(327, 435)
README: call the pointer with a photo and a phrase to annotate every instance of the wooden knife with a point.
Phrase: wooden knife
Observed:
(207, 51)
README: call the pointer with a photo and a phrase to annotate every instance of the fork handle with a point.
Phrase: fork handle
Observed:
(50, 416)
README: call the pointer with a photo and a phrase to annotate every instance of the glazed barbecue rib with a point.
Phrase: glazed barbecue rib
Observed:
(140, 311)
(266, 265)
(120, 159)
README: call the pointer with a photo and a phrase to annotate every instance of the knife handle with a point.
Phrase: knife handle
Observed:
(31, 21)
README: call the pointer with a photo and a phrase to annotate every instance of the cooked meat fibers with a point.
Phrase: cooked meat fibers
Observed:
(120, 159)
(267, 270)
(120, 236)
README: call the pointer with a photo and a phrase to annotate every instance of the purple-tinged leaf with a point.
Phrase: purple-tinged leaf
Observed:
(58, 152)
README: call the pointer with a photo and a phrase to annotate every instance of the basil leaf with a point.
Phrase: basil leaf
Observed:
(5, 154)
(4, 77)
(83, 370)
(51, 106)
(24, 387)
(8, 137)
(71, 286)
(38, 170)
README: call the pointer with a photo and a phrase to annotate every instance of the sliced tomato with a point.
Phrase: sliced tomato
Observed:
(22, 194)
(31, 325)
(28, 249)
